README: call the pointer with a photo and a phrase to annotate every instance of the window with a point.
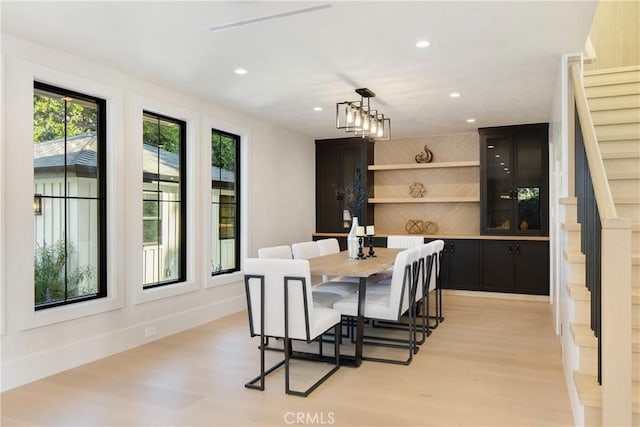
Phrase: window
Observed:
(151, 221)
(163, 200)
(225, 202)
(69, 166)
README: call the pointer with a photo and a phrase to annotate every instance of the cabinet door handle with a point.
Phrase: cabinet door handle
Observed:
(451, 248)
(510, 251)
(518, 249)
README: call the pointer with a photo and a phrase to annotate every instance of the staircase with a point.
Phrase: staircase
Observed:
(613, 97)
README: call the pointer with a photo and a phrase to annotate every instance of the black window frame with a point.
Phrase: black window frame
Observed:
(101, 135)
(236, 188)
(182, 229)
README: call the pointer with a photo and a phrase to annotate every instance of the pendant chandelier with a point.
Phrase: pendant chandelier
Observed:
(357, 117)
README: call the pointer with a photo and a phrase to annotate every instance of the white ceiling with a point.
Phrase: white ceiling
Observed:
(503, 57)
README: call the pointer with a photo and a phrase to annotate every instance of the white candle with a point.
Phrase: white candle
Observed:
(370, 230)
(360, 231)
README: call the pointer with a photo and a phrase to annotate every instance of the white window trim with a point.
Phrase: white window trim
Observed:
(24, 74)
(245, 138)
(134, 201)
(3, 203)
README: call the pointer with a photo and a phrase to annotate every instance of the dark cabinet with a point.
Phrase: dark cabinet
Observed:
(514, 180)
(337, 161)
(461, 264)
(515, 266)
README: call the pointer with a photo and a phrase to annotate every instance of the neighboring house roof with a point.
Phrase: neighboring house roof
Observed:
(82, 153)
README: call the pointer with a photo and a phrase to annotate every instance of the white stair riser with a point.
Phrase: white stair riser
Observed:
(622, 165)
(570, 213)
(592, 416)
(612, 90)
(622, 146)
(614, 102)
(617, 132)
(573, 241)
(628, 211)
(583, 312)
(625, 187)
(621, 131)
(601, 79)
(611, 117)
(576, 272)
(589, 363)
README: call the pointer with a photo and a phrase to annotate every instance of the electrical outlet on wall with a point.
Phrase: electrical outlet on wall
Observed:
(150, 331)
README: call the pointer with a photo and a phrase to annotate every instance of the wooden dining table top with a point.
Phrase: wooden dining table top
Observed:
(339, 264)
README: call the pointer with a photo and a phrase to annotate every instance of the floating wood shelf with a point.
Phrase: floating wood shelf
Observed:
(401, 166)
(464, 199)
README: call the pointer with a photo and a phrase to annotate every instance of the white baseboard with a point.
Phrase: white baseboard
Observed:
(500, 295)
(40, 365)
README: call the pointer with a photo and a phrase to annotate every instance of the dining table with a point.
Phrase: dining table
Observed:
(340, 264)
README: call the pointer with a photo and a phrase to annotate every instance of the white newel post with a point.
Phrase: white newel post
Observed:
(616, 322)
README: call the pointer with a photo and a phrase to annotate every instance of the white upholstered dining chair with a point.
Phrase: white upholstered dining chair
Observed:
(392, 305)
(280, 305)
(275, 252)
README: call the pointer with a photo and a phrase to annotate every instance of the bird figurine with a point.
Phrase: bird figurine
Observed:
(425, 157)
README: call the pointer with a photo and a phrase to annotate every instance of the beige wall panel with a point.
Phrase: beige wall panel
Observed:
(615, 34)
(452, 218)
(450, 182)
(445, 148)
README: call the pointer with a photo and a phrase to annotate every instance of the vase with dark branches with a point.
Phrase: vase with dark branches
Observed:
(353, 196)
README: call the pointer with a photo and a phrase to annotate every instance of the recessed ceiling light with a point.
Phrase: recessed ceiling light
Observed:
(471, 120)
(240, 71)
(491, 146)
(497, 155)
(317, 108)
(422, 43)
(454, 94)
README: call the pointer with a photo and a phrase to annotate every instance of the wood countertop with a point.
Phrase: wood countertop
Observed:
(450, 236)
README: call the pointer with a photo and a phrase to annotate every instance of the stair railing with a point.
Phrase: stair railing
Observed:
(606, 243)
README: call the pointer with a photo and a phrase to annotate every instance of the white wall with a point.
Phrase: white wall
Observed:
(278, 207)
(559, 133)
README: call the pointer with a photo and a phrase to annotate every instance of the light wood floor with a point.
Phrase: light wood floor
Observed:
(492, 362)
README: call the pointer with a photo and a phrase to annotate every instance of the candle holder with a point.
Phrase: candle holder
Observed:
(371, 251)
(360, 252)
(370, 232)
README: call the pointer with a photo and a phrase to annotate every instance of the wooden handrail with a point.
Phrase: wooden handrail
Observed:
(601, 188)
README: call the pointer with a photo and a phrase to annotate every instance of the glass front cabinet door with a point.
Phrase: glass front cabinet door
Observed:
(514, 187)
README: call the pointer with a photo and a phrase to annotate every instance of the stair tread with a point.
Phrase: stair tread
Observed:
(571, 226)
(583, 333)
(621, 155)
(612, 79)
(612, 70)
(579, 292)
(626, 200)
(590, 392)
(623, 175)
(621, 89)
(574, 256)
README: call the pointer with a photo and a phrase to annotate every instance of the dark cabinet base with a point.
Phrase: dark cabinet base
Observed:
(515, 266)
(510, 266)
